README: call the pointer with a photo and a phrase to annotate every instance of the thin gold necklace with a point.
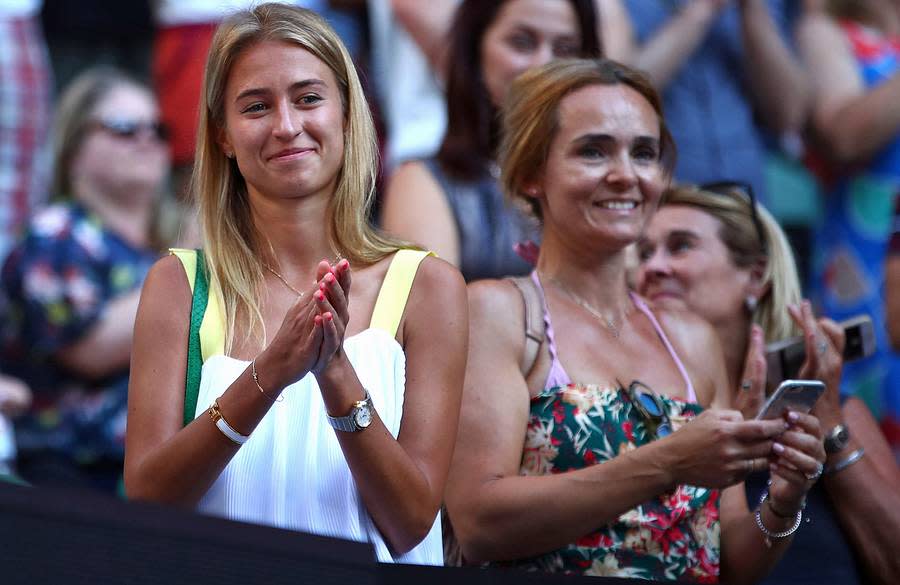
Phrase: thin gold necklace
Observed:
(609, 323)
(281, 278)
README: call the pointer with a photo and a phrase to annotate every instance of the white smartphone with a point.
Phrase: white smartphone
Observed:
(784, 358)
(797, 395)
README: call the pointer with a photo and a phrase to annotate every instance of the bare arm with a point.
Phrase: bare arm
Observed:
(402, 481)
(616, 34)
(106, 347)
(416, 210)
(428, 24)
(776, 77)
(853, 122)
(663, 55)
(164, 462)
(498, 514)
(866, 495)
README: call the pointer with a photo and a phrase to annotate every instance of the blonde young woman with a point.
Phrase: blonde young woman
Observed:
(599, 441)
(322, 407)
(707, 252)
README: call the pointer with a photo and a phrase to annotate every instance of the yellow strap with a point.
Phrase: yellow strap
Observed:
(189, 261)
(212, 328)
(395, 290)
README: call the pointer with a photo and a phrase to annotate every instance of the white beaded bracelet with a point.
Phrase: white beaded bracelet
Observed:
(216, 415)
(775, 535)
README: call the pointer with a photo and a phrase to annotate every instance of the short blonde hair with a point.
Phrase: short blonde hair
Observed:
(531, 116)
(230, 238)
(731, 207)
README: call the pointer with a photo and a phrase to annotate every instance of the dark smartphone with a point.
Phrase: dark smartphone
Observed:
(797, 395)
(785, 357)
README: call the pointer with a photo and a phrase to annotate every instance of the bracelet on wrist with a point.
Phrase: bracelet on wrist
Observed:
(846, 462)
(769, 535)
(255, 376)
(216, 415)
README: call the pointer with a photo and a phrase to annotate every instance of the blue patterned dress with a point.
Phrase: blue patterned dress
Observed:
(56, 283)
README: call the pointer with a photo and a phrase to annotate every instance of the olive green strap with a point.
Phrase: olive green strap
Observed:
(195, 356)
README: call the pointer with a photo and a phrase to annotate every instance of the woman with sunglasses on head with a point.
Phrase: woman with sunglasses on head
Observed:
(71, 284)
(708, 251)
(301, 401)
(452, 203)
(594, 434)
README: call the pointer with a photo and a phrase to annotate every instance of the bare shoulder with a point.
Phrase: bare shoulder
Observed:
(168, 279)
(496, 309)
(412, 180)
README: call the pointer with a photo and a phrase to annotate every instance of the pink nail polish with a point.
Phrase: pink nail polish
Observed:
(778, 447)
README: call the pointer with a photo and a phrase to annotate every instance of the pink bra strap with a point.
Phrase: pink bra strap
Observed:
(557, 375)
(691, 395)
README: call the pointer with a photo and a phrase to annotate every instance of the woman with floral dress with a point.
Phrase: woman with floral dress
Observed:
(70, 286)
(595, 437)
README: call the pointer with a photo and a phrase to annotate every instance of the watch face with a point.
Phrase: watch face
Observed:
(363, 416)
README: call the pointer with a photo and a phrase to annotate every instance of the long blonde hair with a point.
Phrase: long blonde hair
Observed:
(739, 235)
(232, 244)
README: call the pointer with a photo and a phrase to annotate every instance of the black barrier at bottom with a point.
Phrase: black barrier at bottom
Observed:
(50, 536)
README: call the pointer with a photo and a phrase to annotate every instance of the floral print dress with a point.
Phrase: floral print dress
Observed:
(674, 536)
(55, 285)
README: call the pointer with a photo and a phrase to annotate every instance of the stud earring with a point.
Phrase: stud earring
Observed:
(751, 302)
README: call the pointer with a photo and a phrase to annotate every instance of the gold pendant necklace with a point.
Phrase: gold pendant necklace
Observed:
(281, 278)
(609, 323)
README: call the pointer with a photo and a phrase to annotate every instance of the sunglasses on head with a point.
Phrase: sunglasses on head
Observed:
(131, 129)
(651, 408)
(746, 192)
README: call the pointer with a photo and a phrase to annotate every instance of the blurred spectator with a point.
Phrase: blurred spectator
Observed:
(892, 280)
(408, 44)
(721, 66)
(71, 284)
(709, 252)
(852, 52)
(24, 115)
(452, 203)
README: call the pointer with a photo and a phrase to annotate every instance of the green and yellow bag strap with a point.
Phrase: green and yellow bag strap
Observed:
(198, 279)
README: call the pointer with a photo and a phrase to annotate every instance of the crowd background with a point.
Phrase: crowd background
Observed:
(798, 99)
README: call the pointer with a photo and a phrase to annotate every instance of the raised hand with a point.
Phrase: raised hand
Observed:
(751, 392)
(719, 448)
(824, 340)
(332, 302)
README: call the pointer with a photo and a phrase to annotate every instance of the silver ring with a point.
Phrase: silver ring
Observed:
(822, 347)
(750, 466)
(820, 467)
(746, 385)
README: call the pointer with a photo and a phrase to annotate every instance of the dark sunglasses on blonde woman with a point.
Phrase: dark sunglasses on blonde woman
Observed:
(745, 191)
(131, 129)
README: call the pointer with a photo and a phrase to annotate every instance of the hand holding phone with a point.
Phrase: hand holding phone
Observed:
(785, 358)
(796, 395)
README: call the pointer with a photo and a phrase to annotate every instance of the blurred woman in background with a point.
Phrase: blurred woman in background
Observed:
(708, 251)
(452, 203)
(71, 284)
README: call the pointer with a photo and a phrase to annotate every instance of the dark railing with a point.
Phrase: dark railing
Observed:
(53, 536)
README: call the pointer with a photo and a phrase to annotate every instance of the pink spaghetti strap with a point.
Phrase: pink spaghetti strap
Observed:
(691, 395)
(557, 376)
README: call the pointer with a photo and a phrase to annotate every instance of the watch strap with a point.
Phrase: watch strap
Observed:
(347, 423)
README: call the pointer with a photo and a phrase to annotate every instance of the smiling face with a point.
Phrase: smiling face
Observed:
(602, 179)
(684, 264)
(526, 33)
(284, 121)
